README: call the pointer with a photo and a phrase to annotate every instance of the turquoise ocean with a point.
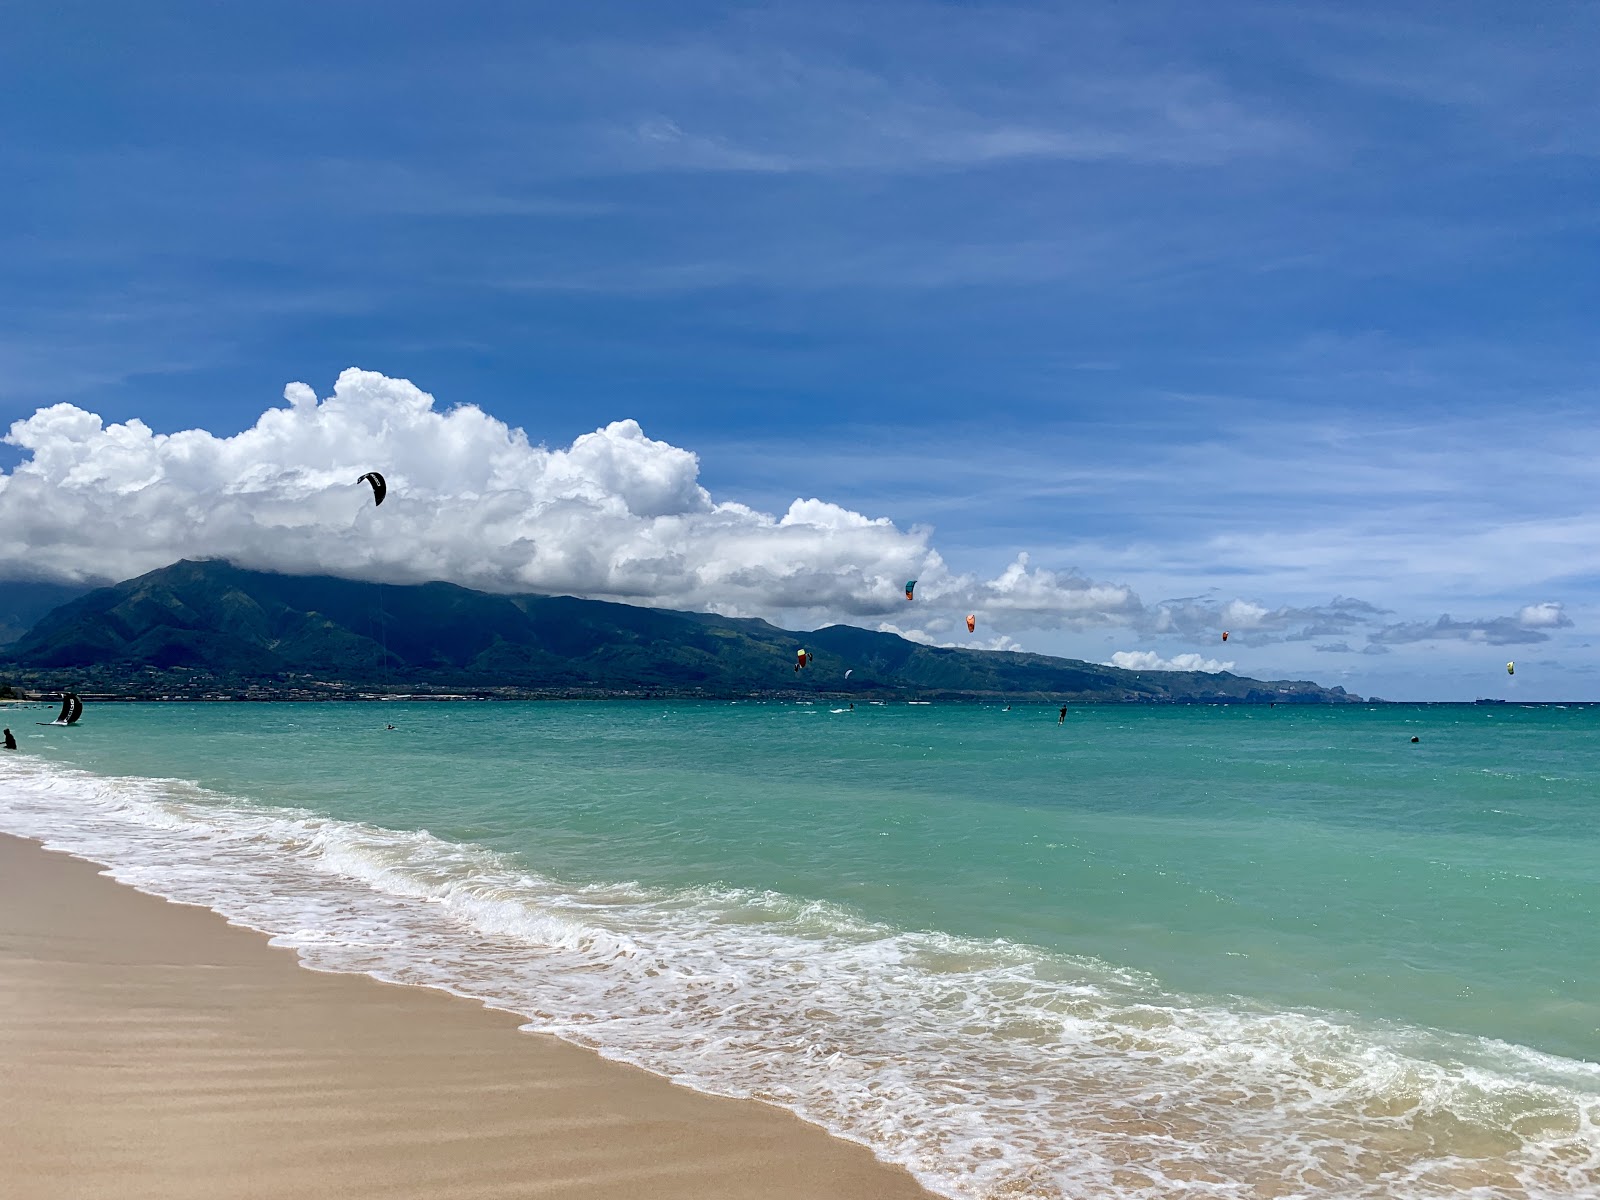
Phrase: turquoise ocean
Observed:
(1179, 951)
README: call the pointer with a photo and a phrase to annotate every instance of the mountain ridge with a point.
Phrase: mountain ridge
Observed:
(209, 624)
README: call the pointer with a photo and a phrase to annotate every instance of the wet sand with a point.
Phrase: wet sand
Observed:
(151, 1050)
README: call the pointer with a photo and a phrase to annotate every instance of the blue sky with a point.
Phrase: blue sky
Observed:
(1265, 306)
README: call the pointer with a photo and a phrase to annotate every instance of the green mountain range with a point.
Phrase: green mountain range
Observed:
(210, 627)
(24, 602)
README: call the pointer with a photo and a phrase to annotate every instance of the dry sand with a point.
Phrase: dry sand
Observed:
(151, 1050)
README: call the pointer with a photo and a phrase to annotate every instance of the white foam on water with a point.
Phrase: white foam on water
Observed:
(989, 1069)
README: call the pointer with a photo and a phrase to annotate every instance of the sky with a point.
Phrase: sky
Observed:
(1115, 325)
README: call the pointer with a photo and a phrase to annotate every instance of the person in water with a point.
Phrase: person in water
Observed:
(11, 740)
(1063, 719)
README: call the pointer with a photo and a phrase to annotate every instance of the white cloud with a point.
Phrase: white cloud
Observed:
(471, 500)
(1548, 615)
(1149, 660)
(999, 641)
(615, 515)
(1243, 613)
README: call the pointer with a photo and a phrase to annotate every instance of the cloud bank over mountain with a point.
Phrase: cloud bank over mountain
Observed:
(615, 515)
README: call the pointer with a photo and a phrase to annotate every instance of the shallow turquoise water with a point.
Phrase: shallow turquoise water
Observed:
(1247, 862)
(1298, 856)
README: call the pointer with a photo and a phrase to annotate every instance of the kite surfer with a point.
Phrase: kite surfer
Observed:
(11, 740)
(1063, 719)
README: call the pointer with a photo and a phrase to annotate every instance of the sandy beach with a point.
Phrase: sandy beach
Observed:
(153, 1050)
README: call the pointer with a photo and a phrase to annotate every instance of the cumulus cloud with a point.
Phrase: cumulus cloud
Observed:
(1149, 660)
(925, 637)
(615, 515)
(1548, 615)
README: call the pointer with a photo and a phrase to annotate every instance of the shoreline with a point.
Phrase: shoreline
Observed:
(985, 1065)
(152, 1049)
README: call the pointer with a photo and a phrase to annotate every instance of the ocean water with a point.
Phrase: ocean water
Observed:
(1221, 952)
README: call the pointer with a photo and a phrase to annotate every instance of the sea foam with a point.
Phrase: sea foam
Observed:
(988, 1068)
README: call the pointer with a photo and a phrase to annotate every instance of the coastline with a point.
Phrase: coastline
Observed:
(151, 1049)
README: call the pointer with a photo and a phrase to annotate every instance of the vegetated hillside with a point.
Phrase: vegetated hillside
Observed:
(24, 602)
(238, 626)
